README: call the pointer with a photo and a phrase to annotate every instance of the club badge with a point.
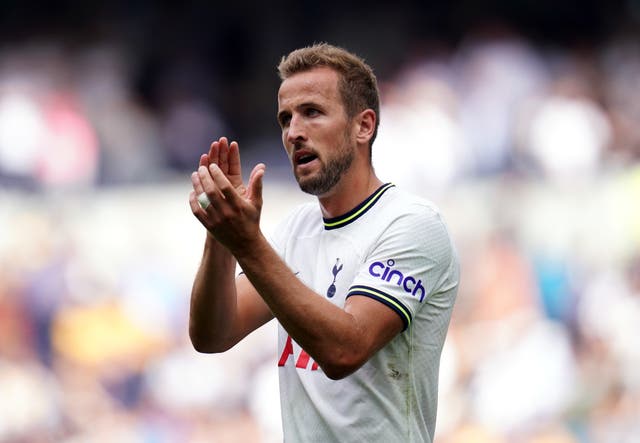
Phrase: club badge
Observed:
(332, 288)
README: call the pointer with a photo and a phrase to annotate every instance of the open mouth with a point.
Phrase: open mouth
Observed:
(303, 160)
(302, 157)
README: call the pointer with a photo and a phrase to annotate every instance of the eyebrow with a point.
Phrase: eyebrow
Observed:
(308, 104)
(299, 106)
(303, 105)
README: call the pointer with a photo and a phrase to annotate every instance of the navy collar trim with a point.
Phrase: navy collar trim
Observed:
(358, 211)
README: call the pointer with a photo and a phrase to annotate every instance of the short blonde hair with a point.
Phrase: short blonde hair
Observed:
(358, 85)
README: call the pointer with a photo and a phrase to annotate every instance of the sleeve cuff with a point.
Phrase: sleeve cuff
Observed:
(384, 298)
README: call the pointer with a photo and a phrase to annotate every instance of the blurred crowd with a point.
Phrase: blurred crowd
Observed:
(532, 153)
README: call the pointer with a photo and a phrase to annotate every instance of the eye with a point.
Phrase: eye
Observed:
(311, 112)
(284, 119)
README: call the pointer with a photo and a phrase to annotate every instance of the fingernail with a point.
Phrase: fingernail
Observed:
(213, 167)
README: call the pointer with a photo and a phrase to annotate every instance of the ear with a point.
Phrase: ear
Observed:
(365, 126)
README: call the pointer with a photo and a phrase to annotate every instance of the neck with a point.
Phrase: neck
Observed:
(350, 191)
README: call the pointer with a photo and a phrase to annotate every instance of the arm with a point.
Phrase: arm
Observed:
(223, 309)
(339, 340)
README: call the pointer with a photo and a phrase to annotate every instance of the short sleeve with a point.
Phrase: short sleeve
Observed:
(411, 261)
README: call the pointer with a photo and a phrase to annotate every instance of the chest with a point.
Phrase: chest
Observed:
(326, 262)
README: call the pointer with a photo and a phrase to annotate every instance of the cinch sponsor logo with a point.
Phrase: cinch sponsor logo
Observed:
(386, 273)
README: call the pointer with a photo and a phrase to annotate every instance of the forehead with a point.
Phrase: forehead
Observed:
(316, 85)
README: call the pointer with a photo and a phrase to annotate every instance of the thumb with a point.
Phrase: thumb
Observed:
(255, 185)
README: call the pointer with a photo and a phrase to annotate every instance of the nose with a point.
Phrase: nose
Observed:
(296, 130)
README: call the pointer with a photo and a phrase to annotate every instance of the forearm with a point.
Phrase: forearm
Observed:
(213, 299)
(327, 332)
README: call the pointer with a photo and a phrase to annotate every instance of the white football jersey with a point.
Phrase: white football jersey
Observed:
(393, 248)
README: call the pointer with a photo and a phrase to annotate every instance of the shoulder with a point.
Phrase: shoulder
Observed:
(403, 208)
(415, 222)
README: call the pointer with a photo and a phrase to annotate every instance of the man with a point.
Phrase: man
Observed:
(362, 284)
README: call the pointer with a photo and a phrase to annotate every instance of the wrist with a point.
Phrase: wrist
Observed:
(213, 246)
(249, 251)
(211, 241)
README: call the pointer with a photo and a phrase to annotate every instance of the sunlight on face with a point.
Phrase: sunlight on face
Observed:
(315, 129)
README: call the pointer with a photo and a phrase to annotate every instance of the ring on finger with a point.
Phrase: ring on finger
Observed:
(203, 200)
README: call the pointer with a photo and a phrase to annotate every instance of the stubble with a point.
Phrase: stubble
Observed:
(331, 171)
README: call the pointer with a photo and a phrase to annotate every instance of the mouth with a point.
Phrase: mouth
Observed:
(303, 157)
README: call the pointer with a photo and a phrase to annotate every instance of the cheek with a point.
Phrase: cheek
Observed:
(287, 150)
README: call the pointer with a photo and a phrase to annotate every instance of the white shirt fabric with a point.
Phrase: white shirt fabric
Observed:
(394, 248)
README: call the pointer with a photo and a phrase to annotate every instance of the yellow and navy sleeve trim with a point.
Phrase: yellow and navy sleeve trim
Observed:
(355, 213)
(384, 298)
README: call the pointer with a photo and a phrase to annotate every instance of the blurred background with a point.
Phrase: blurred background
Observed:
(520, 119)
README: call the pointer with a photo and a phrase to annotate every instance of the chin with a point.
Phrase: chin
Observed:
(316, 188)
(308, 188)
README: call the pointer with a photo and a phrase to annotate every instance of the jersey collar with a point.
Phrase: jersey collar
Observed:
(358, 211)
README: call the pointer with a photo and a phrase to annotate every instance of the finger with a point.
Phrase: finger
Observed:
(196, 183)
(195, 206)
(193, 202)
(255, 185)
(223, 155)
(213, 153)
(223, 185)
(199, 188)
(204, 217)
(204, 160)
(235, 167)
(208, 186)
